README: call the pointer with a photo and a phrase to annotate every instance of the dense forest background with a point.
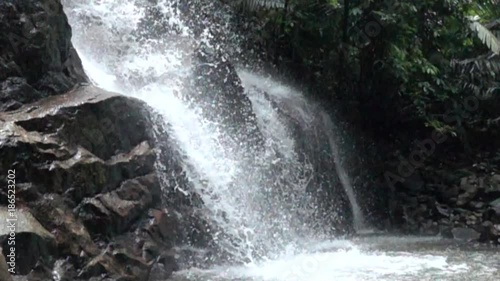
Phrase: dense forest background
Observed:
(397, 62)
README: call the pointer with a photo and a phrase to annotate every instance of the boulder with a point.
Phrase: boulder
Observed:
(465, 234)
(85, 160)
(85, 168)
(65, 145)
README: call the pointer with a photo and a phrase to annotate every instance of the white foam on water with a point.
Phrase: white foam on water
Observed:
(345, 263)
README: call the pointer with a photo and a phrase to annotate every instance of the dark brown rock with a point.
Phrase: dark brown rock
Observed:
(56, 153)
(85, 161)
(113, 212)
(37, 57)
(91, 183)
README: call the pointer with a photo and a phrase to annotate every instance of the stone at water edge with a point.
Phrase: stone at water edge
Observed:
(465, 234)
(495, 203)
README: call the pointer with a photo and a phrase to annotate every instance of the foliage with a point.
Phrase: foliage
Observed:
(268, 4)
(397, 61)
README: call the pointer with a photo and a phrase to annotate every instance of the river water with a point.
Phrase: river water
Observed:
(366, 258)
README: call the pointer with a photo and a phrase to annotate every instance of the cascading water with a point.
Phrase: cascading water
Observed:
(261, 190)
(357, 213)
(259, 203)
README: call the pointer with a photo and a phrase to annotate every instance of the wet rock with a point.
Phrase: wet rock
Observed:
(117, 263)
(159, 270)
(217, 87)
(56, 153)
(85, 164)
(470, 187)
(98, 266)
(134, 265)
(37, 56)
(71, 236)
(85, 160)
(32, 242)
(15, 91)
(41, 272)
(163, 228)
(465, 234)
(64, 271)
(113, 212)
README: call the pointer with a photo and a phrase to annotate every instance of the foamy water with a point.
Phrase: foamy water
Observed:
(373, 258)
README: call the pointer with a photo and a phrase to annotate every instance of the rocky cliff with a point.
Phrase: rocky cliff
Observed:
(89, 202)
(455, 195)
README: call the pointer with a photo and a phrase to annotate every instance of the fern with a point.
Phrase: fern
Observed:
(267, 4)
(479, 74)
(486, 36)
(488, 64)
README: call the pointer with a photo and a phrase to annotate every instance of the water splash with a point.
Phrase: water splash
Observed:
(264, 206)
(259, 198)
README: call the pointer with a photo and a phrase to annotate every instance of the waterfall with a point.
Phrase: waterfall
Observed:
(268, 188)
(357, 213)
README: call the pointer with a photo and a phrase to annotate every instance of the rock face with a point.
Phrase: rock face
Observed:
(37, 58)
(89, 201)
(460, 203)
(85, 170)
(217, 87)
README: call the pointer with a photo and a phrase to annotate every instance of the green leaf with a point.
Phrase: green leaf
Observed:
(486, 36)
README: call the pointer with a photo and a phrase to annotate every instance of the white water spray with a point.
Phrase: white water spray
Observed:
(262, 206)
